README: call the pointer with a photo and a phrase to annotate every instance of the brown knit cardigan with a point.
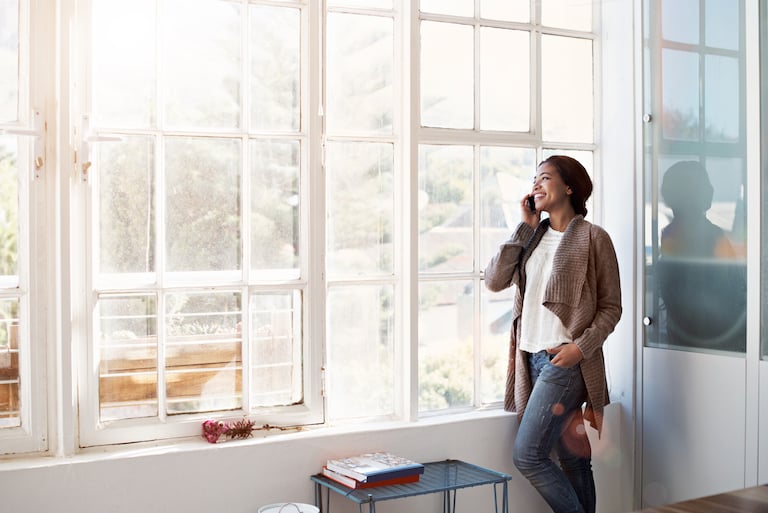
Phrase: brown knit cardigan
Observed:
(583, 291)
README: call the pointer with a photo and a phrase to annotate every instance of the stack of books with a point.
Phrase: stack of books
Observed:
(372, 469)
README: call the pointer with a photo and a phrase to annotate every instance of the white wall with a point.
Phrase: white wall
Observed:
(241, 476)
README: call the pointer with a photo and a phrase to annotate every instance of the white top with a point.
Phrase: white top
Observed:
(540, 328)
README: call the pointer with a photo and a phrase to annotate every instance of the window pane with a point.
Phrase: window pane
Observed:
(127, 356)
(505, 10)
(446, 357)
(274, 205)
(360, 337)
(721, 98)
(9, 212)
(507, 176)
(680, 95)
(10, 408)
(453, 7)
(701, 271)
(275, 66)
(202, 199)
(196, 32)
(9, 60)
(505, 89)
(203, 352)
(567, 105)
(722, 24)
(360, 59)
(276, 349)
(568, 14)
(447, 71)
(360, 208)
(446, 224)
(680, 21)
(125, 178)
(378, 4)
(496, 321)
(124, 79)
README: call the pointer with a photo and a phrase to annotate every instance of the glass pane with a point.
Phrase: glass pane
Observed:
(505, 59)
(722, 24)
(446, 354)
(453, 7)
(496, 322)
(360, 208)
(203, 352)
(680, 95)
(446, 225)
(359, 73)
(505, 10)
(568, 14)
(125, 187)
(202, 201)
(9, 60)
(360, 338)
(721, 99)
(196, 95)
(127, 356)
(507, 176)
(276, 349)
(378, 4)
(680, 21)
(447, 71)
(275, 68)
(10, 407)
(124, 76)
(701, 270)
(567, 105)
(274, 205)
(9, 212)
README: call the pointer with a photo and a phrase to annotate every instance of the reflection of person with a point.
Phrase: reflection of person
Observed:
(567, 302)
(702, 282)
(686, 189)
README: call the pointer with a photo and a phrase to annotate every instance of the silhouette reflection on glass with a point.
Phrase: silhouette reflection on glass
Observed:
(702, 276)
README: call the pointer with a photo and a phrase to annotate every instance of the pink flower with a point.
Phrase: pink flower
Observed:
(213, 429)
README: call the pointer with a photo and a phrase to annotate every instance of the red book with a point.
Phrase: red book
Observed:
(354, 483)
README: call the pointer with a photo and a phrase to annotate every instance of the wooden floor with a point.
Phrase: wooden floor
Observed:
(749, 500)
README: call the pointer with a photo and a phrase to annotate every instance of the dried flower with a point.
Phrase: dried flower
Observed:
(213, 430)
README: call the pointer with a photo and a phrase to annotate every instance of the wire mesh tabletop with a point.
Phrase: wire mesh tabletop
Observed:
(439, 477)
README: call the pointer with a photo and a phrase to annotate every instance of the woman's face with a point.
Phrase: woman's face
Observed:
(549, 191)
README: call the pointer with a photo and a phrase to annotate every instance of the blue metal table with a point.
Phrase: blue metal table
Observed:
(444, 477)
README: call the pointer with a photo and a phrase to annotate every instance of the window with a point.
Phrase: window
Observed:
(267, 206)
(493, 104)
(22, 162)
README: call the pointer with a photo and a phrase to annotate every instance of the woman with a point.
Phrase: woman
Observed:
(567, 302)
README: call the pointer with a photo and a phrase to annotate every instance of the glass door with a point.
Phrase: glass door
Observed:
(695, 217)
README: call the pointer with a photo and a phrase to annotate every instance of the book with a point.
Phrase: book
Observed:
(355, 484)
(375, 466)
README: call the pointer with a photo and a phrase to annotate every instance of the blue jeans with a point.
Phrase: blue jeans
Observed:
(553, 421)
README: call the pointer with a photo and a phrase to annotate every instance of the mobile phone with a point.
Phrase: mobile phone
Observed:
(531, 204)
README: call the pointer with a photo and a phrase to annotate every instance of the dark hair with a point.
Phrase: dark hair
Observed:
(686, 187)
(576, 177)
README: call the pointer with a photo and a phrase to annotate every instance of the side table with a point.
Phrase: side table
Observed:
(444, 477)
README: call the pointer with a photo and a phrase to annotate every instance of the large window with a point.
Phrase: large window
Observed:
(268, 208)
(22, 167)
(502, 87)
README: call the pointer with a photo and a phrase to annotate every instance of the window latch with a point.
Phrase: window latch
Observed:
(37, 132)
